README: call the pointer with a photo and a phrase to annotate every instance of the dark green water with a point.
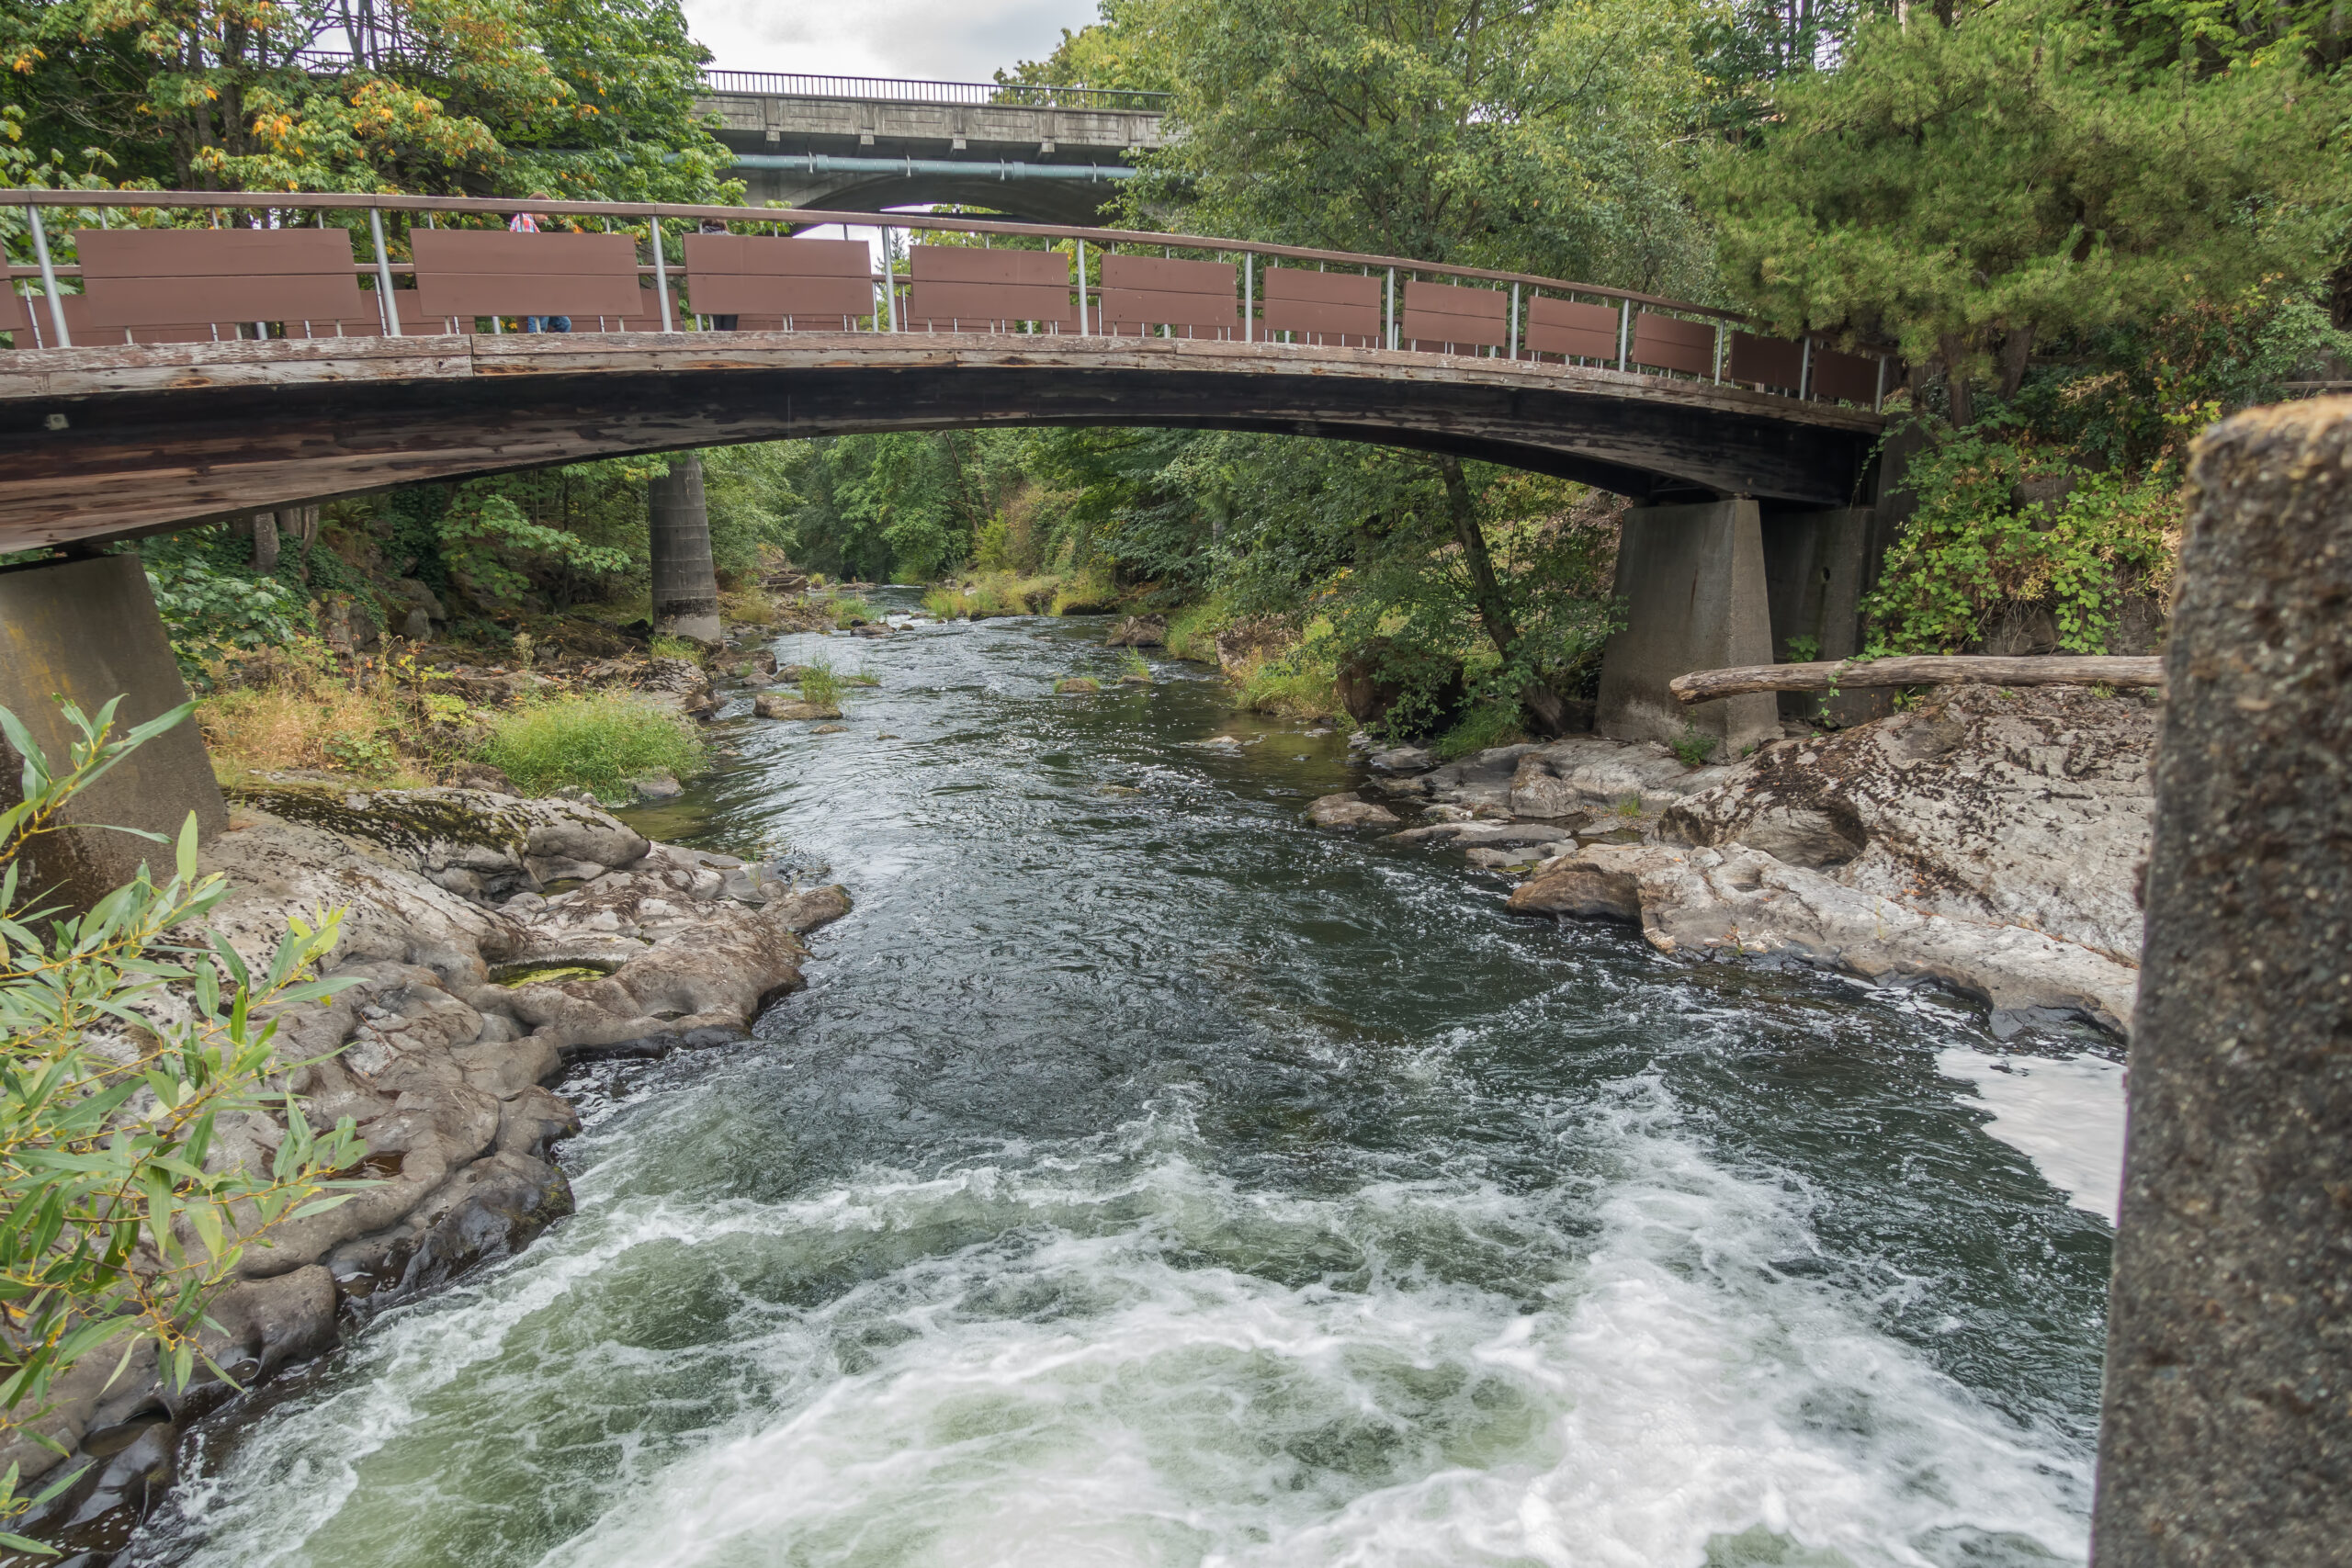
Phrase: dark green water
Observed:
(1146, 1177)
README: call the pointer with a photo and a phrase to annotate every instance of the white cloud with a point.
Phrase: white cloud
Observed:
(962, 41)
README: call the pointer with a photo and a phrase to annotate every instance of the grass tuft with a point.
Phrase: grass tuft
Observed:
(819, 683)
(594, 743)
(1489, 724)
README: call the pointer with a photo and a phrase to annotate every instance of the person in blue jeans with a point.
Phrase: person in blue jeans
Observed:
(524, 223)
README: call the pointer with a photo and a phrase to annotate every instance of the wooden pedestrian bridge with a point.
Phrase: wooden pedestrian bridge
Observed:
(180, 356)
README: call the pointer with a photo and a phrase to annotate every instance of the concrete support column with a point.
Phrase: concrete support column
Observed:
(686, 586)
(1693, 579)
(2226, 1435)
(1814, 566)
(87, 629)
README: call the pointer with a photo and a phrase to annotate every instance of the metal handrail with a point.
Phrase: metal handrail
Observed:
(655, 213)
(906, 90)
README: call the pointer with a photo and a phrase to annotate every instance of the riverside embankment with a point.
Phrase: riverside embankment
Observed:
(1150, 1175)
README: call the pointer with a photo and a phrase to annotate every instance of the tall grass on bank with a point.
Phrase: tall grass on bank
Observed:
(1192, 631)
(596, 743)
(992, 593)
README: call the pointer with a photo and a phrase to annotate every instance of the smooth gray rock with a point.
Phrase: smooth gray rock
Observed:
(1347, 811)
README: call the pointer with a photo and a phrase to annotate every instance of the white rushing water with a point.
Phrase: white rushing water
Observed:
(1078, 1396)
(2064, 1115)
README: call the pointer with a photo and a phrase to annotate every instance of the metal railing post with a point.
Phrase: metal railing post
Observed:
(48, 277)
(661, 278)
(1392, 307)
(1804, 371)
(889, 281)
(1878, 397)
(387, 312)
(1624, 335)
(1249, 298)
(1514, 323)
(1082, 331)
(1719, 354)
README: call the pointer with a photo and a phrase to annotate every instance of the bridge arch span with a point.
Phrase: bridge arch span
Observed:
(111, 443)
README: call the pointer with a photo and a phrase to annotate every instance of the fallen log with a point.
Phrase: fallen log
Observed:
(1923, 669)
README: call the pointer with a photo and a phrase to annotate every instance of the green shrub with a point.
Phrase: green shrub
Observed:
(122, 1218)
(850, 611)
(679, 647)
(594, 743)
(1487, 725)
(1692, 747)
(1192, 631)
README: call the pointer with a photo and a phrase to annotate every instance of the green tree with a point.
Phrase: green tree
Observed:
(580, 97)
(1543, 136)
(126, 1038)
(2025, 173)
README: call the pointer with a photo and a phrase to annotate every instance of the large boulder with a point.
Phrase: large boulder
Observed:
(1376, 677)
(2030, 807)
(1347, 811)
(1139, 631)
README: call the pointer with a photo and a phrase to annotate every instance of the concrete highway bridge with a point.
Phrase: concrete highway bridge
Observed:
(864, 143)
(165, 375)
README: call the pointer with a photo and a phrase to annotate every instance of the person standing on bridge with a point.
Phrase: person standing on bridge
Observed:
(524, 223)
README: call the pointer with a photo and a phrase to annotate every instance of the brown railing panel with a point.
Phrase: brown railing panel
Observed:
(1342, 305)
(212, 253)
(13, 318)
(1766, 361)
(174, 277)
(464, 273)
(1668, 343)
(956, 288)
(735, 274)
(1446, 314)
(1142, 292)
(1844, 378)
(1563, 326)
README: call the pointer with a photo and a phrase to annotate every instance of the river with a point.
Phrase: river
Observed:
(1147, 1178)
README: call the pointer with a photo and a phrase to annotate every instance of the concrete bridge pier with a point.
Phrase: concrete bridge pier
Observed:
(1695, 583)
(685, 584)
(1817, 566)
(87, 630)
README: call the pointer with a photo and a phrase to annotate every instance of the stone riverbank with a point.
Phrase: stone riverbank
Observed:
(494, 942)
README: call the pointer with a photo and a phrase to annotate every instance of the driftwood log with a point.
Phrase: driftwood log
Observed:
(1706, 685)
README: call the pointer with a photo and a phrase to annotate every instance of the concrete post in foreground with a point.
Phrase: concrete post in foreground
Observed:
(1693, 579)
(686, 586)
(87, 629)
(2227, 1431)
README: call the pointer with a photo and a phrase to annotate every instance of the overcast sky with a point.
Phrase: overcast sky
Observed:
(957, 41)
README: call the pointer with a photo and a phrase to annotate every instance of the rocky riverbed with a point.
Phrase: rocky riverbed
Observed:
(494, 940)
(1986, 842)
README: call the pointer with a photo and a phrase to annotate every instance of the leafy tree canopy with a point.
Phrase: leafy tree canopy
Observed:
(588, 99)
(2028, 173)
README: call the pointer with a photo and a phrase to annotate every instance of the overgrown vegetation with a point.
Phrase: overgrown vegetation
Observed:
(133, 1041)
(596, 743)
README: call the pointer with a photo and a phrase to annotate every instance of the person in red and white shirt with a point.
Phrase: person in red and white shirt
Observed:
(524, 223)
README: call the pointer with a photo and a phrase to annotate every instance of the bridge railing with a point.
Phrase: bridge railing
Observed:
(280, 264)
(906, 90)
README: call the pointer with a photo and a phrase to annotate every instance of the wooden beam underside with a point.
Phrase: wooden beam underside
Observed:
(162, 436)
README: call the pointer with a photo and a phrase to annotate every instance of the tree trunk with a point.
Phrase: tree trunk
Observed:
(1963, 405)
(2017, 348)
(1920, 669)
(1486, 591)
(264, 541)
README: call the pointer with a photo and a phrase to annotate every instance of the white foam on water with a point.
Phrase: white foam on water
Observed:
(2067, 1116)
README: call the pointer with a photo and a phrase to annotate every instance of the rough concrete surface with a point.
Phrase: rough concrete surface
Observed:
(2226, 1435)
(1693, 583)
(87, 629)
